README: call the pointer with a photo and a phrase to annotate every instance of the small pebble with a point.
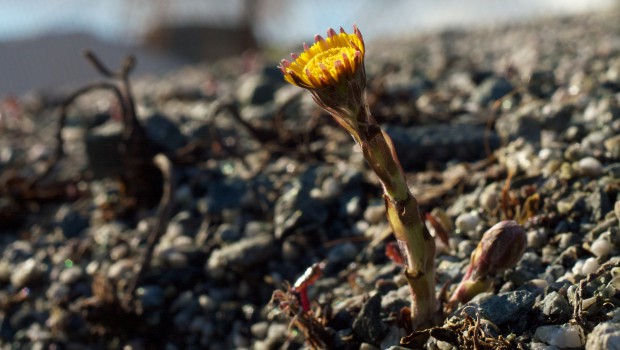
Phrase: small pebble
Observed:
(490, 198)
(555, 304)
(467, 222)
(120, 267)
(5, 271)
(465, 248)
(590, 266)
(259, 329)
(119, 252)
(277, 333)
(374, 213)
(612, 145)
(353, 206)
(367, 346)
(590, 167)
(28, 272)
(542, 346)
(175, 259)
(330, 188)
(536, 238)
(584, 267)
(70, 275)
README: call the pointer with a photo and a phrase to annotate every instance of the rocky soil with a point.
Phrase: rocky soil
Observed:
(517, 122)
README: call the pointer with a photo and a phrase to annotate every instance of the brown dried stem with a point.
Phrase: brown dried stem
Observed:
(163, 217)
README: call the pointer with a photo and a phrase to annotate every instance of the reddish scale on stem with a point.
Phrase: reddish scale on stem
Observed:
(393, 253)
(439, 230)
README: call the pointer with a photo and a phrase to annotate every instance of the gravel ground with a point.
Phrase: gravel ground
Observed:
(517, 122)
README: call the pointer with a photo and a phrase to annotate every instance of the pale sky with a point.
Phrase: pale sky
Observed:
(280, 21)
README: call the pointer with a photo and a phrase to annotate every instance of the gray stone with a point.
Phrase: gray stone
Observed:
(222, 194)
(297, 210)
(257, 90)
(555, 305)
(503, 307)
(227, 233)
(368, 326)
(164, 133)
(58, 293)
(241, 255)
(465, 248)
(598, 204)
(151, 297)
(613, 170)
(558, 117)
(418, 145)
(542, 83)
(102, 149)
(71, 222)
(395, 300)
(492, 89)
(342, 253)
(522, 123)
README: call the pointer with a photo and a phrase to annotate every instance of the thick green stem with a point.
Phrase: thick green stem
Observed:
(415, 243)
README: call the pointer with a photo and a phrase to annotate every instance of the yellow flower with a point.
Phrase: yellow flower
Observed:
(328, 61)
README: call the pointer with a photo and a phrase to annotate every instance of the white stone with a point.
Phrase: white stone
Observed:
(576, 270)
(601, 247)
(374, 213)
(468, 221)
(542, 346)
(590, 266)
(120, 267)
(26, 273)
(563, 336)
(590, 166)
(605, 336)
(331, 188)
(536, 238)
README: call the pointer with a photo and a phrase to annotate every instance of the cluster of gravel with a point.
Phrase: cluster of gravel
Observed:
(519, 121)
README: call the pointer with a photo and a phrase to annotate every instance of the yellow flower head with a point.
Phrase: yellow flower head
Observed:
(327, 62)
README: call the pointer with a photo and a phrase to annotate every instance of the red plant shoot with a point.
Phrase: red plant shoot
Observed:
(306, 280)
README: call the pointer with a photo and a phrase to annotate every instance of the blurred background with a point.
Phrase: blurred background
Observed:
(41, 40)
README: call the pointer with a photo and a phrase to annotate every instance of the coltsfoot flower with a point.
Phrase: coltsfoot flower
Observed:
(327, 62)
(333, 71)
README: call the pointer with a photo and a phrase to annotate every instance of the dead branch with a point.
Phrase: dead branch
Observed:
(163, 215)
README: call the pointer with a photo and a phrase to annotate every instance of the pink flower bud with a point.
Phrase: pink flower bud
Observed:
(500, 248)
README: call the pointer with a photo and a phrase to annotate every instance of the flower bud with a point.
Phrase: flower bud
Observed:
(500, 248)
